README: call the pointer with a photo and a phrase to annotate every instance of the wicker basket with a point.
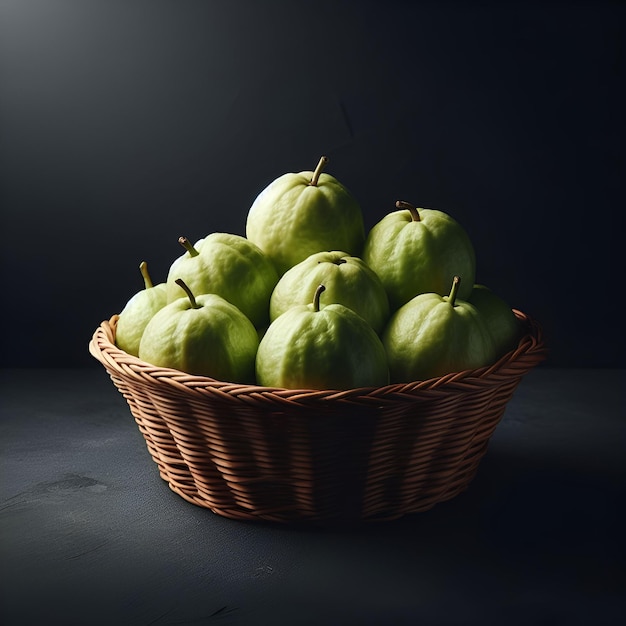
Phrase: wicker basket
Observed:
(370, 454)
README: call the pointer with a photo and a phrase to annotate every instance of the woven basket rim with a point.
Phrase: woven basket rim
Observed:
(529, 352)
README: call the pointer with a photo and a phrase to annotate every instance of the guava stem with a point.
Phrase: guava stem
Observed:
(181, 283)
(456, 281)
(185, 243)
(316, 298)
(415, 216)
(318, 170)
(143, 268)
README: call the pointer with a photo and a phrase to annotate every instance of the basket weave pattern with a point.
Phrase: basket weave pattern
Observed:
(371, 454)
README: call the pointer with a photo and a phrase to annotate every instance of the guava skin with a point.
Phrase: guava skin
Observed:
(332, 348)
(215, 339)
(414, 257)
(504, 327)
(292, 219)
(230, 266)
(429, 337)
(136, 314)
(347, 279)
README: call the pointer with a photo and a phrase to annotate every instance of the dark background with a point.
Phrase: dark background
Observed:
(125, 124)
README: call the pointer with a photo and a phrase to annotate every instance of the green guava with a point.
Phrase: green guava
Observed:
(230, 266)
(504, 326)
(347, 279)
(204, 335)
(416, 251)
(138, 311)
(433, 335)
(301, 213)
(314, 347)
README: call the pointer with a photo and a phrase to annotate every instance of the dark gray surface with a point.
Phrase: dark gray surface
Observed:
(91, 535)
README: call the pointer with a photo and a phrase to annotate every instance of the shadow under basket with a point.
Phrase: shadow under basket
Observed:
(371, 454)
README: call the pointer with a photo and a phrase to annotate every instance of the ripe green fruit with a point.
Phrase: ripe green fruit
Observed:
(433, 335)
(138, 311)
(203, 335)
(230, 266)
(347, 279)
(503, 325)
(299, 214)
(309, 347)
(416, 251)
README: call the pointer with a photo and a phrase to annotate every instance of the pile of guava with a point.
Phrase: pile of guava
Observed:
(308, 299)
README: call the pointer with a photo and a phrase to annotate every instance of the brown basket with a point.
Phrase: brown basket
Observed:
(258, 453)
